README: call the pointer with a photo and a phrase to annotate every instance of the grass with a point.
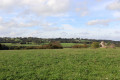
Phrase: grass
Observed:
(60, 64)
(68, 44)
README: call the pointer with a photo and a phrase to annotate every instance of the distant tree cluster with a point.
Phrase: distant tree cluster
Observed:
(30, 40)
(3, 47)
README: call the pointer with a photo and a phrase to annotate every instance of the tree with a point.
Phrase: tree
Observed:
(95, 45)
(3, 47)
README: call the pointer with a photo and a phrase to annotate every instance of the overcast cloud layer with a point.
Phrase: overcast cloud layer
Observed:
(96, 19)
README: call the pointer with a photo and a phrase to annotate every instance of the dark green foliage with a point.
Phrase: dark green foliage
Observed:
(3, 47)
(95, 45)
(22, 42)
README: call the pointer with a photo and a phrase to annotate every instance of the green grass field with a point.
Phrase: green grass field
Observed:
(61, 64)
(68, 44)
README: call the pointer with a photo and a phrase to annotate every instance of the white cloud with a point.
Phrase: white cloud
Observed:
(4, 4)
(48, 7)
(13, 24)
(99, 22)
(116, 14)
(1, 27)
(39, 7)
(103, 22)
(49, 27)
(82, 8)
(6, 27)
(82, 11)
(114, 5)
(99, 0)
(101, 5)
(67, 27)
(25, 23)
(1, 19)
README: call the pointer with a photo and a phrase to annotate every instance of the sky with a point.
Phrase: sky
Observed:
(92, 19)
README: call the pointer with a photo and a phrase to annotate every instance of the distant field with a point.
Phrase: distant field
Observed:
(68, 44)
(61, 64)
(63, 44)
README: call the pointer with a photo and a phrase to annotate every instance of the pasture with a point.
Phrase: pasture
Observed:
(60, 64)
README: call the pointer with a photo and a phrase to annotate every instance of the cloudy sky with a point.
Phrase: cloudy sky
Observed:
(94, 19)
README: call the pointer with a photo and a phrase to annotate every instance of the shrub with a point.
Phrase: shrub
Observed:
(44, 47)
(54, 45)
(80, 46)
(95, 45)
(112, 45)
(85, 46)
(33, 47)
(76, 46)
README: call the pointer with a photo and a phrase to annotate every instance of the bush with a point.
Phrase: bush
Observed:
(95, 45)
(44, 47)
(112, 46)
(80, 46)
(85, 46)
(54, 45)
(76, 46)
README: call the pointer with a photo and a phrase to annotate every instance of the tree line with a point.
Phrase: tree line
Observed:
(29, 40)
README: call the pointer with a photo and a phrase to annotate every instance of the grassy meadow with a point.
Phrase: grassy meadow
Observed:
(60, 64)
